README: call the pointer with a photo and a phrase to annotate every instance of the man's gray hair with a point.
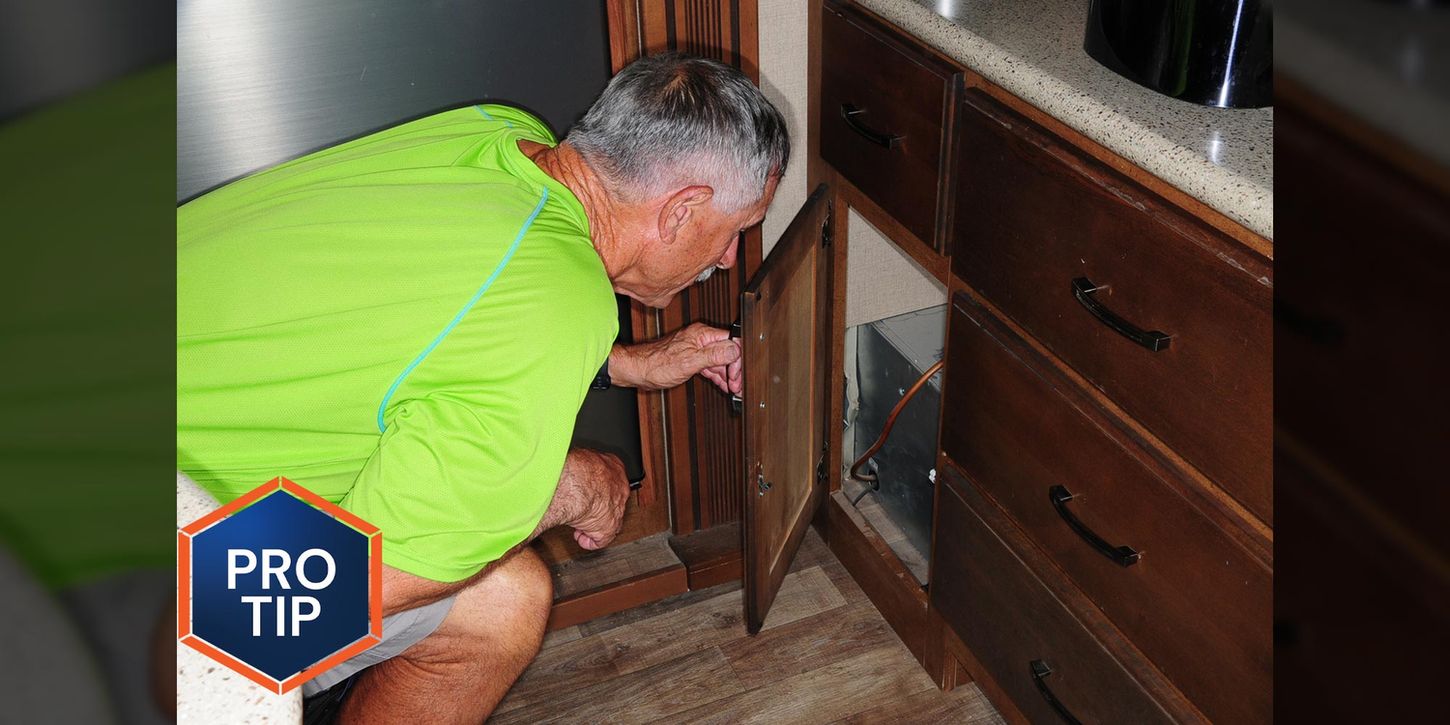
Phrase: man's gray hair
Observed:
(670, 121)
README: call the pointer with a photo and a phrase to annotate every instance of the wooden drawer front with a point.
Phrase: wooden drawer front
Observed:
(1034, 215)
(1010, 620)
(899, 91)
(1193, 601)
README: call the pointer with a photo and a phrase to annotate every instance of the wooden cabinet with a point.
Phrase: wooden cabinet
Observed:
(1160, 569)
(1165, 315)
(1041, 652)
(1102, 532)
(1102, 543)
(887, 110)
(785, 329)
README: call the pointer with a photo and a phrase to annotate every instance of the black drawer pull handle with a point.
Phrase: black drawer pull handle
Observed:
(1121, 555)
(884, 140)
(1040, 671)
(1083, 289)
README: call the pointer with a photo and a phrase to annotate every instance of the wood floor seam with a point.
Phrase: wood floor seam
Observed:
(825, 655)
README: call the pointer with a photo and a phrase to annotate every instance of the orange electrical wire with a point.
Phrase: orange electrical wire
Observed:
(891, 421)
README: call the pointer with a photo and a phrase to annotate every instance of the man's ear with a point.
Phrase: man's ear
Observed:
(679, 208)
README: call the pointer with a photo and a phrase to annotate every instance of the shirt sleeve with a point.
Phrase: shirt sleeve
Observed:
(453, 487)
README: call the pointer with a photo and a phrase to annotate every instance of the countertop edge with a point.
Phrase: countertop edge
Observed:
(1232, 194)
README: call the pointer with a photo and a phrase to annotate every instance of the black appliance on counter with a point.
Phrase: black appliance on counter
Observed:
(1210, 52)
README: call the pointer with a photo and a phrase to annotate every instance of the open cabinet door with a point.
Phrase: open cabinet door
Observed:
(785, 319)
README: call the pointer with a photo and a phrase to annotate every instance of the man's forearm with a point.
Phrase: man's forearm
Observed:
(624, 366)
(566, 504)
(677, 357)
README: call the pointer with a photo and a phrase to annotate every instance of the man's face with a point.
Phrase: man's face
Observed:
(706, 241)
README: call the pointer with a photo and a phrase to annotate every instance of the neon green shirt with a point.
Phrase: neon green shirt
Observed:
(87, 490)
(406, 323)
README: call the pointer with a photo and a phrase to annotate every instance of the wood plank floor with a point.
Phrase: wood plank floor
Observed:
(825, 655)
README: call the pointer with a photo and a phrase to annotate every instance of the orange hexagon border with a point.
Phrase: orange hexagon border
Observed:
(184, 536)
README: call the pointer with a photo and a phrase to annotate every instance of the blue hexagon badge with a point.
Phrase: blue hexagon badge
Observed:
(279, 585)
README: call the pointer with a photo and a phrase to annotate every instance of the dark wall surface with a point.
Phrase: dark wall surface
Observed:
(265, 81)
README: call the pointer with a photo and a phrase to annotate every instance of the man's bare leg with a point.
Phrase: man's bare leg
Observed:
(459, 673)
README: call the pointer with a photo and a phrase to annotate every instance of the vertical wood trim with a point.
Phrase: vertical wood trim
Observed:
(622, 17)
(948, 167)
(651, 434)
(653, 421)
(815, 167)
(656, 25)
(626, 43)
(681, 456)
(715, 430)
(737, 53)
(746, 32)
(835, 432)
(700, 456)
(934, 658)
(671, 32)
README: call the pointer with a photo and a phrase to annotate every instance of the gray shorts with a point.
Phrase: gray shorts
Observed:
(400, 631)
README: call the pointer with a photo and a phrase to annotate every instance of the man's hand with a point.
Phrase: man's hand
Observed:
(591, 495)
(674, 358)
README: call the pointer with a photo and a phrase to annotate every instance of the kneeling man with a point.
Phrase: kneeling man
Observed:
(407, 324)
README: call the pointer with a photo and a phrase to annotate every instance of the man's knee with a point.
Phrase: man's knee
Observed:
(511, 602)
(487, 639)
(524, 580)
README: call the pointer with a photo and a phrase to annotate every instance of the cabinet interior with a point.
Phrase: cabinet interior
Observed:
(895, 329)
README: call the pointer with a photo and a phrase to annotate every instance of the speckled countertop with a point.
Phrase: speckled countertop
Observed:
(1033, 48)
